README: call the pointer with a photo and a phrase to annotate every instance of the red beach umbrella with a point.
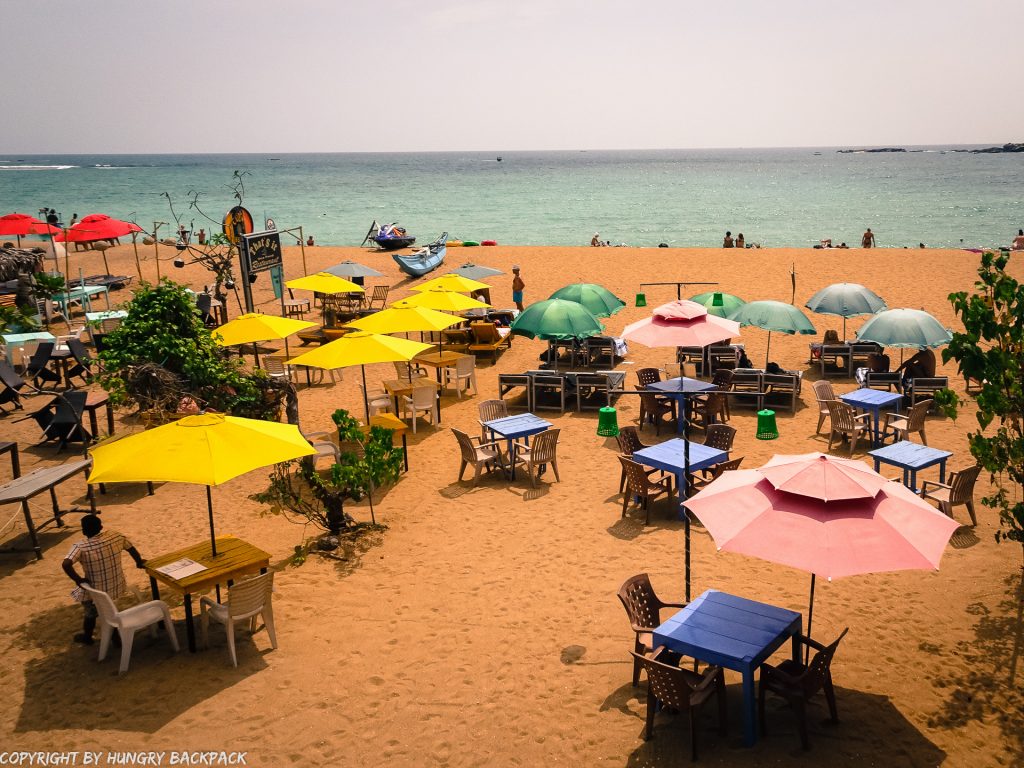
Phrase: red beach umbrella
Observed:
(97, 226)
(21, 224)
(822, 515)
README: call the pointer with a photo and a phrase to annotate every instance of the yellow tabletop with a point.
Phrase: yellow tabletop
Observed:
(438, 359)
(234, 558)
(397, 387)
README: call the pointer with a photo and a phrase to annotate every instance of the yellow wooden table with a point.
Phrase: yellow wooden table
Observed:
(234, 558)
(399, 387)
(438, 360)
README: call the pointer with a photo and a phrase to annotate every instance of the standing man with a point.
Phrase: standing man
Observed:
(867, 240)
(517, 287)
(100, 556)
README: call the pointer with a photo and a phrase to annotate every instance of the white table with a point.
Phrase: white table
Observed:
(17, 341)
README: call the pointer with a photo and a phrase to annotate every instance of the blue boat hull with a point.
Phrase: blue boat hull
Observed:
(419, 264)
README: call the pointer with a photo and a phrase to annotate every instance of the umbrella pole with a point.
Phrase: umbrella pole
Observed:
(67, 266)
(135, 248)
(810, 617)
(366, 399)
(209, 512)
(767, 350)
(844, 328)
(684, 492)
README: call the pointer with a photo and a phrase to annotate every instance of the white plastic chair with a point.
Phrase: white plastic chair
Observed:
(277, 368)
(405, 370)
(126, 623)
(463, 371)
(246, 600)
(378, 399)
(421, 400)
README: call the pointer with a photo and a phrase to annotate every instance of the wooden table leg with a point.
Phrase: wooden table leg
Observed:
(405, 451)
(110, 419)
(93, 424)
(31, 529)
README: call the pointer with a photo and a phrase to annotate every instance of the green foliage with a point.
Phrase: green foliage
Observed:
(17, 320)
(991, 351)
(164, 329)
(298, 488)
(47, 286)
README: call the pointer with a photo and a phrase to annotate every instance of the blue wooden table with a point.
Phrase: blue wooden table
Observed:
(734, 633)
(668, 457)
(910, 457)
(679, 389)
(873, 401)
(513, 427)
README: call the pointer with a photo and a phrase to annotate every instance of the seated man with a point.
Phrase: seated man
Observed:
(878, 362)
(920, 365)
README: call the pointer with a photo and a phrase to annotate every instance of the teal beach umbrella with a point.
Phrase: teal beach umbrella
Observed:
(905, 328)
(599, 300)
(719, 304)
(773, 316)
(845, 300)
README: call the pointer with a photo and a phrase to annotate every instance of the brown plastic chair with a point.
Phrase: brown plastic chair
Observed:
(643, 608)
(629, 442)
(541, 452)
(720, 436)
(683, 691)
(797, 683)
(639, 484)
(481, 455)
(959, 490)
(847, 423)
(902, 425)
(823, 393)
(653, 407)
(647, 376)
(711, 409)
(489, 410)
(713, 473)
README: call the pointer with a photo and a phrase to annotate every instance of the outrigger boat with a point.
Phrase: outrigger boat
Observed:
(389, 237)
(425, 259)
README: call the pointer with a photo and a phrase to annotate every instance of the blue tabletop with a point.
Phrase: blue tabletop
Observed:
(871, 398)
(725, 629)
(910, 455)
(668, 456)
(521, 425)
(680, 385)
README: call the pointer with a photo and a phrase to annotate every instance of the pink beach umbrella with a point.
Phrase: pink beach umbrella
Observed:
(823, 515)
(681, 324)
(21, 224)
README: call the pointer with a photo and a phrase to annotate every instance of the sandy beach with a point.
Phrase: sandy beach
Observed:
(482, 627)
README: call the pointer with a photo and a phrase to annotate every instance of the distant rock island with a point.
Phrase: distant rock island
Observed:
(998, 150)
(882, 149)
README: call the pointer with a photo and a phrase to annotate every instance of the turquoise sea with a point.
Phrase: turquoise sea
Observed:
(775, 197)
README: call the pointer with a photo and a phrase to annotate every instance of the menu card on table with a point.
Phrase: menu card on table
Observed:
(179, 569)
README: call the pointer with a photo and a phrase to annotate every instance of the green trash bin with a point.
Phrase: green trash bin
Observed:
(607, 422)
(641, 300)
(766, 428)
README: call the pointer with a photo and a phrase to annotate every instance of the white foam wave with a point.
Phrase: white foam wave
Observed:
(36, 167)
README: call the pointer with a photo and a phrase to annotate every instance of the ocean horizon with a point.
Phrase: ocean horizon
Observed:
(783, 197)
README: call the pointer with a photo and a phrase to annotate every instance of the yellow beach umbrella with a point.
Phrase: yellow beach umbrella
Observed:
(441, 299)
(208, 449)
(452, 282)
(253, 327)
(324, 282)
(361, 348)
(405, 319)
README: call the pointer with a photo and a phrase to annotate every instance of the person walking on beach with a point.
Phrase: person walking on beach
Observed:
(867, 240)
(517, 287)
(100, 555)
(1018, 241)
(727, 242)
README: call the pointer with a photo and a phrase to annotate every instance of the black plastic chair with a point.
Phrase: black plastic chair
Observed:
(62, 419)
(83, 362)
(10, 385)
(37, 370)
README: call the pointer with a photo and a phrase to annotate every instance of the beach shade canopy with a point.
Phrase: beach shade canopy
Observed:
(555, 319)
(475, 271)
(207, 449)
(361, 348)
(441, 299)
(253, 327)
(405, 320)
(681, 324)
(718, 303)
(599, 300)
(855, 530)
(845, 300)
(773, 316)
(21, 224)
(324, 282)
(452, 282)
(349, 268)
(96, 226)
(906, 328)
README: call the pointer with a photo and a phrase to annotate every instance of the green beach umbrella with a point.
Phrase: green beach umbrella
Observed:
(905, 328)
(845, 300)
(719, 304)
(599, 300)
(556, 319)
(773, 316)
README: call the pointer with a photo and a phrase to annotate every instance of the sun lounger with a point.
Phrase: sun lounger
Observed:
(488, 338)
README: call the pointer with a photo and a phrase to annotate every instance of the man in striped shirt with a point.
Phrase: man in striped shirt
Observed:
(100, 555)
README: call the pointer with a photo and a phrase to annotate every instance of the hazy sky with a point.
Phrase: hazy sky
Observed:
(109, 76)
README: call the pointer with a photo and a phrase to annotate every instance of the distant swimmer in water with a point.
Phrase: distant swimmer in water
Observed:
(867, 240)
(727, 242)
(1018, 241)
